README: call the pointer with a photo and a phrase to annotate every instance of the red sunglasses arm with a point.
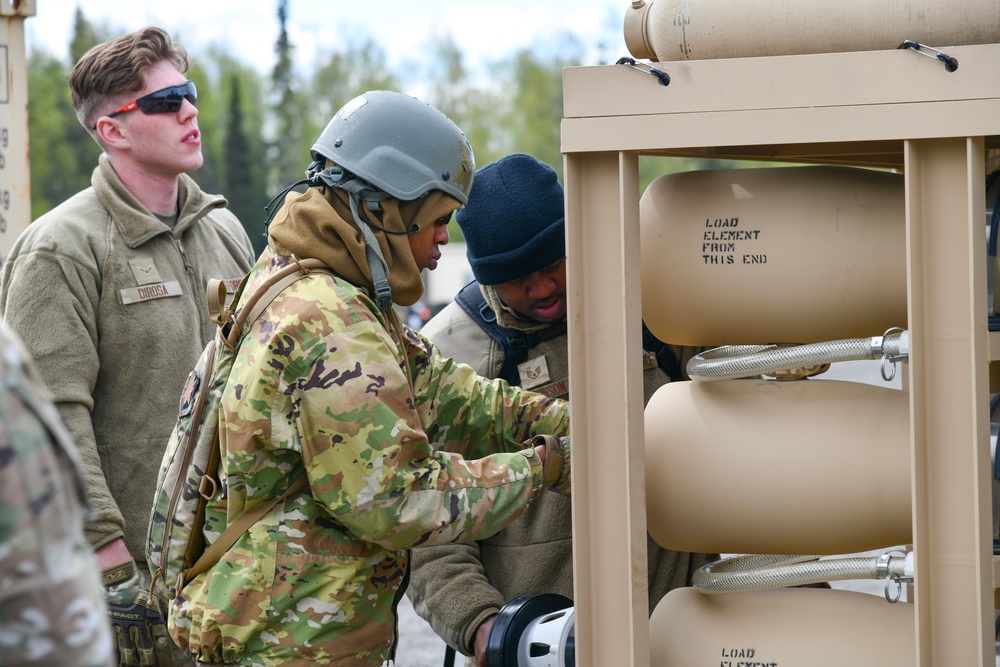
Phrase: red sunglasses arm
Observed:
(128, 107)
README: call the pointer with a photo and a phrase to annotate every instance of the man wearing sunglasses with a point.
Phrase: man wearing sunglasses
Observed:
(107, 291)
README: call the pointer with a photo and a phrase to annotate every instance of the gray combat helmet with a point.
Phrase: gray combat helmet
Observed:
(400, 145)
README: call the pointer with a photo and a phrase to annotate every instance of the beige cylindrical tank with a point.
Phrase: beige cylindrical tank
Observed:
(787, 627)
(773, 255)
(778, 467)
(665, 30)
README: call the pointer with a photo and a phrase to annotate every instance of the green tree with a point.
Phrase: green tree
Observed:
(231, 134)
(451, 88)
(286, 165)
(62, 154)
(86, 35)
(206, 73)
(336, 81)
(533, 114)
(245, 179)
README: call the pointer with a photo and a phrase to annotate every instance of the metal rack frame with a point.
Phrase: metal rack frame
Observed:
(881, 108)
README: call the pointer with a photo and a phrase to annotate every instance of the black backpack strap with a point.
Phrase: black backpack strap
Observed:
(665, 357)
(515, 344)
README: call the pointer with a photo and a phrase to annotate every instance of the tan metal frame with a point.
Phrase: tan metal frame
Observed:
(887, 108)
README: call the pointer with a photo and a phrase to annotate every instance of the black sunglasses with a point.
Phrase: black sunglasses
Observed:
(167, 100)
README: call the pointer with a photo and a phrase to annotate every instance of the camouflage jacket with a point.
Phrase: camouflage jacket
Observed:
(455, 588)
(402, 447)
(52, 609)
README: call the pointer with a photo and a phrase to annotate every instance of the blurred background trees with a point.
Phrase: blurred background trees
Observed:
(258, 127)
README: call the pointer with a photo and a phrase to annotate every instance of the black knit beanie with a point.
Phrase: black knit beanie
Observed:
(514, 223)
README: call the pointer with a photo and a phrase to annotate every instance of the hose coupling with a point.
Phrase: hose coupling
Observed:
(893, 346)
(896, 568)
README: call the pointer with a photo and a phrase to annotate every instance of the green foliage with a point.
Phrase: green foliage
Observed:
(85, 35)
(211, 121)
(338, 78)
(244, 181)
(61, 152)
(257, 129)
(534, 111)
(286, 111)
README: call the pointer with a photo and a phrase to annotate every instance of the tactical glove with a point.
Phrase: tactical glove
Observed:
(140, 633)
(555, 471)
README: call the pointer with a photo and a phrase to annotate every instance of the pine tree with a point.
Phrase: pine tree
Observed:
(243, 181)
(288, 163)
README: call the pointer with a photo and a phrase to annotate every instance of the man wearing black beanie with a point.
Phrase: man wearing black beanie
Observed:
(511, 323)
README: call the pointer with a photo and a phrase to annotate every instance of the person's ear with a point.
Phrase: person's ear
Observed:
(110, 132)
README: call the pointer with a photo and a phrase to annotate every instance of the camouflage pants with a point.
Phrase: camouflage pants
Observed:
(181, 659)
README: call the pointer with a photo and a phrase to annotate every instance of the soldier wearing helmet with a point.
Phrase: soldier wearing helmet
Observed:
(401, 447)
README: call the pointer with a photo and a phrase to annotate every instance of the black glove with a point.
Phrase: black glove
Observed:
(140, 632)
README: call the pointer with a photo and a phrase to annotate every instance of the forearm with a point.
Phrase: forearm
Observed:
(104, 523)
(449, 589)
(111, 554)
(476, 416)
(438, 499)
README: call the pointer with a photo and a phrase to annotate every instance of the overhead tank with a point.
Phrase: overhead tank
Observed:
(668, 30)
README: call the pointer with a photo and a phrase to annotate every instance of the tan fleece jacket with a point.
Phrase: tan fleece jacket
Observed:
(110, 302)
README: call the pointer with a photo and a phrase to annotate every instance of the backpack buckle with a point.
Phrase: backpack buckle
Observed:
(206, 482)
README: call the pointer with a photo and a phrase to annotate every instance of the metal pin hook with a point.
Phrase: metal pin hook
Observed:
(882, 564)
(893, 599)
(950, 64)
(660, 75)
(889, 372)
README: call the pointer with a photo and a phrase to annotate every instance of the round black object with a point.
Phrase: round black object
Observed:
(510, 623)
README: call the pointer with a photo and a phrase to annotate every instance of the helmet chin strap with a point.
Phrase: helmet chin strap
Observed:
(360, 191)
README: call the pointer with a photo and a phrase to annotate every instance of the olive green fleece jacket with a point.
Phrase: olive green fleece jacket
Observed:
(110, 302)
(457, 587)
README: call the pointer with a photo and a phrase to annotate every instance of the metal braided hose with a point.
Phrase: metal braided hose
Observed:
(740, 361)
(758, 572)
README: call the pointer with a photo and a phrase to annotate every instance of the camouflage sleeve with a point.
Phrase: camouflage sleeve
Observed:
(369, 458)
(465, 412)
(52, 609)
(40, 288)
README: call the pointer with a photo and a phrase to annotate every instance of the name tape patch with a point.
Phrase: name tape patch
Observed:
(149, 292)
